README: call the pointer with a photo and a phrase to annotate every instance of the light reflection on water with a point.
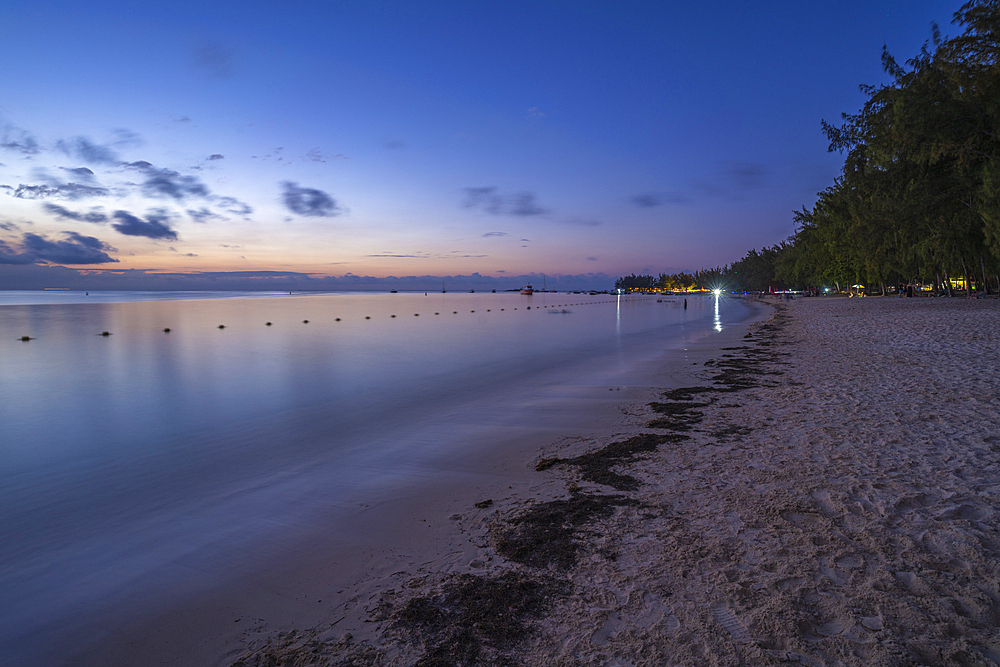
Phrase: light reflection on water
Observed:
(120, 451)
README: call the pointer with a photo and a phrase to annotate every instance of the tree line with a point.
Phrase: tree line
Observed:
(918, 196)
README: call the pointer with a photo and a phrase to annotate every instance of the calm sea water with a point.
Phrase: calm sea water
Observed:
(124, 456)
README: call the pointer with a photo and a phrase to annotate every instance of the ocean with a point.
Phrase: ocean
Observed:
(140, 462)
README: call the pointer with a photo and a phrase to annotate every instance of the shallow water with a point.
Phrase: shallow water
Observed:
(129, 457)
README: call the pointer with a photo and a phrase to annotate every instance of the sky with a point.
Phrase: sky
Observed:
(364, 144)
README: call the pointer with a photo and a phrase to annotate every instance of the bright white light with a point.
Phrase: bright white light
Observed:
(718, 292)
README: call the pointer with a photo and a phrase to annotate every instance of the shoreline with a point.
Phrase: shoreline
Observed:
(823, 492)
(414, 529)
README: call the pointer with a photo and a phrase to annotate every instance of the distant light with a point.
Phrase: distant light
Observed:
(717, 292)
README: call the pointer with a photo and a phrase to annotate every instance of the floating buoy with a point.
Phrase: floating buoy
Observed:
(105, 333)
(454, 312)
(166, 330)
(267, 324)
(472, 311)
(437, 313)
(223, 326)
(392, 316)
(416, 314)
(25, 338)
(336, 319)
(367, 318)
(305, 321)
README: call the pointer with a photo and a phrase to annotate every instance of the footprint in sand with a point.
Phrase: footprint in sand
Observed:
(725, 617)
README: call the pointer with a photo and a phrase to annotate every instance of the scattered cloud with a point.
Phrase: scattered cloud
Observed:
(215, 59)
(19, 141)
(489, 234)
(203, 215)
(583, 222)
(394, 144)
(71, 191)
(153, 227)
(9, 226)
(216, 156)
(309, 201)
(87, 151)
(233, 205)
(74, 249)
(80, 172)
(591, 259)
(94, 216)
(533, 112)
(490, 200)
(182, 119)
(646, 200)
(167, 183)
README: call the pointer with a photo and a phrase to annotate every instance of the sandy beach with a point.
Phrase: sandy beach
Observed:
(821, 491)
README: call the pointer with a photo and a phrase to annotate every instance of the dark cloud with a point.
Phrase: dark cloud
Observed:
(75, 249)
(490, 200)
(84, 149)
(71, 191)
(8, 226)
(182, 119)
(489, 234)
(216, 156)
(203, 215)
(215, 59)
(309, 201)
(10, 256)
(167, 183)
(153, 227)
(66, 214)
(80, 172)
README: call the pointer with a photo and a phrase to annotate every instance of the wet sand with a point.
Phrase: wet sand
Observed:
(824, 492)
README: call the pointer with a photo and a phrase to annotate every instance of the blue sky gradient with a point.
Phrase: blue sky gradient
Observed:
(323, 140)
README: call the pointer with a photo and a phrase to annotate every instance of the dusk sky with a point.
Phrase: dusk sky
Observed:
(422, 138)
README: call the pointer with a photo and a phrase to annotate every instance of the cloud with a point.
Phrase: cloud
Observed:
(646, 200)
(71, 191)
(394, 144)
(489, 234)
(65, 214)
(153, 227)
(84, 149)
(591, 259)
(8, 226)
(216, 156)
(75, 249)
(215, 59)
(203, 215)
(490, 200)
(182, 119)
(309, 201)
(533, 112)
(583, 222)
(747, 175)
(17, 140)
(525, 204)
(80, 172)
(233, 205)
(167, 183)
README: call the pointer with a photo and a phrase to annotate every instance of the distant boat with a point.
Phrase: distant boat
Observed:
(527, 289)
(392, 291)
(472, 291)
(443, 290)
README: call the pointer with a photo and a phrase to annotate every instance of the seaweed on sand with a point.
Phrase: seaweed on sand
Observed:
(476, 620)
(547, 534)
(303, 649)
(678, 416)
(596, 466)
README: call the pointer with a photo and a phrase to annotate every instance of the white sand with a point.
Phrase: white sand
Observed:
(844, 515)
